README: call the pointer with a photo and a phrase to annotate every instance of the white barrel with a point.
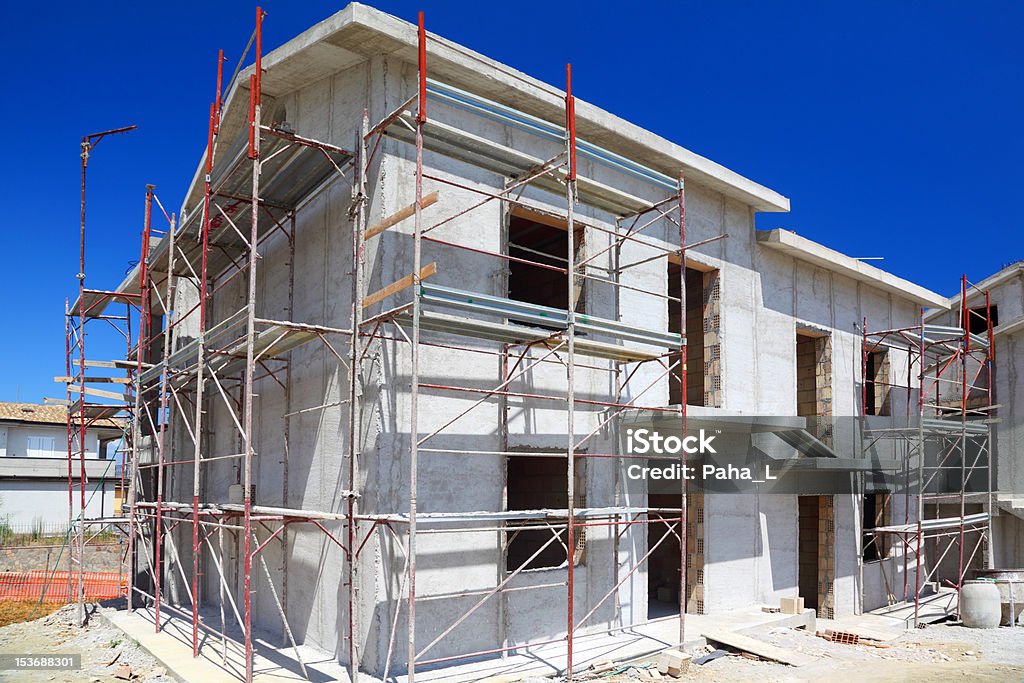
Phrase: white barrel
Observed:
(980, 604)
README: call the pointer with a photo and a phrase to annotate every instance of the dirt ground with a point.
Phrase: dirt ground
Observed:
(937, 652)
(103, 648)
(14, 611)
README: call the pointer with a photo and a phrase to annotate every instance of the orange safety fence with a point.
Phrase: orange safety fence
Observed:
(30, 585)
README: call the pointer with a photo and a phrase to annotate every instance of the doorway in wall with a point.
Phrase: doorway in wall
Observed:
(816, 553)
(808, 550)
(664, 566)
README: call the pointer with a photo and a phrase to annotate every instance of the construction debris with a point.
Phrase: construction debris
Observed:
(841, 637)
(759, 648)
(710, 657)
(791, 605)
(673, 662)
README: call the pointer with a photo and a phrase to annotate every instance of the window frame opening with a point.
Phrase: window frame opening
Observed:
(539, 482)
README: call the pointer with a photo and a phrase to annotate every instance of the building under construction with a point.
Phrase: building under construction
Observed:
(382, 360)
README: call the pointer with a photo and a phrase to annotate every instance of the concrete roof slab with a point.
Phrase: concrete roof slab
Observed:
(806, 250)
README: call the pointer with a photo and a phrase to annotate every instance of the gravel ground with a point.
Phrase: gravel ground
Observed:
(938, 652)
(941, 651)
(104, 650)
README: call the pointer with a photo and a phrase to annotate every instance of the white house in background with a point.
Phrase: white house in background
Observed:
(34, 466)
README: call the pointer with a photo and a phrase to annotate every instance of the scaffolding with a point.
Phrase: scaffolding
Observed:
(204, 356)
(945, 443)
(90, 401)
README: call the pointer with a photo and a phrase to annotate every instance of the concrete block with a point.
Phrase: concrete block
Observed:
(236, 494)
(791, 605)
(673, 662)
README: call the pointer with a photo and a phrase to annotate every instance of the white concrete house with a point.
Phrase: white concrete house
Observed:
(34, 466)
(775, 333)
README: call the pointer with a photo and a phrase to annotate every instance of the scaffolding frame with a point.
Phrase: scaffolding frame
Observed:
(87, 405)
(952, 405)
(274, 176)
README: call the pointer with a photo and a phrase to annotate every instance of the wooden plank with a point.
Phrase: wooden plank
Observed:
(399, 285)
(100, 364)
(56, 402)
(398, 216)
(97, 392)
(760, 648)
(108, 380)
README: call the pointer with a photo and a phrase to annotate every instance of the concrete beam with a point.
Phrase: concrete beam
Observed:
(811, 252)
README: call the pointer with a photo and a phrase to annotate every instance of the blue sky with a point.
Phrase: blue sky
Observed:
(894, 128)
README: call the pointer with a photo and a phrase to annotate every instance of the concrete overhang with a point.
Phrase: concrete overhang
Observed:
(806, 250)
(359, 32)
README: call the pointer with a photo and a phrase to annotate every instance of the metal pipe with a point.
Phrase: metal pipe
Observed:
(421, 119)
(250, 369)
(570, 337)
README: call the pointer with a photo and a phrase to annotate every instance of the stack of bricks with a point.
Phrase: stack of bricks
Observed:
(695, 553)
(712, 339)
(826, 557)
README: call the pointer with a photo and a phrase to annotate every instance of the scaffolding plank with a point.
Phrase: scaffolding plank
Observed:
(520, 311)
(759, 648)
(100, 380)
(479, 151)
(397, 286)
(512, 333)
(90, 391)
(934, 524)
(399, 216)
(94, 301)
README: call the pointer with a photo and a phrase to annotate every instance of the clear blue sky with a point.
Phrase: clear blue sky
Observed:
(894, 127)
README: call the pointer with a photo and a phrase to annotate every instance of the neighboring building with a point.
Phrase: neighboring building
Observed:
(34, 466)
(773, 325)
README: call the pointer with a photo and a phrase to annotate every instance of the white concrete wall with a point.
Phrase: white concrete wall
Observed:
(25, 499)
(24, 502)
(18, 436)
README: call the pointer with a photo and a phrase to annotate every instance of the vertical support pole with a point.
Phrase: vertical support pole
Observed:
(989, 358)
(79, 545)
(414, 389)
(501, 570)
(570, 362)
(920, 473)
(861, 487)
(140, 351)
(965, 320)
(211, 136)
(683, 521)
(358, 217)
(70, 427)
(250, 361)
(285, 463)
(163, 417)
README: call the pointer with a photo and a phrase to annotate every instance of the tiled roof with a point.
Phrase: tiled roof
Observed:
(43, 414)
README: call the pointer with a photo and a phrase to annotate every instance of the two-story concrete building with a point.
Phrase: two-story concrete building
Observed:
(451, 408)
